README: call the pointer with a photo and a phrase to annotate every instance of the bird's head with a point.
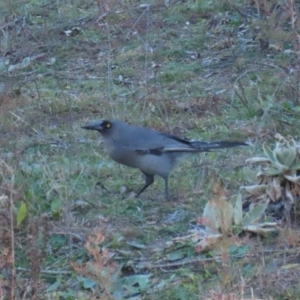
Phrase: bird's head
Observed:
(105, 127)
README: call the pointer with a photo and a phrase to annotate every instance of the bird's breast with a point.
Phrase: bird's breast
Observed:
(120, 153)
(148, 163)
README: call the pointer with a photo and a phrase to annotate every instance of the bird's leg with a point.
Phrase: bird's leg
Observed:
(149, 179)
(166, 188)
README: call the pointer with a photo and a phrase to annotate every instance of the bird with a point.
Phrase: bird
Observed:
(150, 151)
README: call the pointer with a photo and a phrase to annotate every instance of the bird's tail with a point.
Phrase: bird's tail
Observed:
(203, 146)
(192, 147)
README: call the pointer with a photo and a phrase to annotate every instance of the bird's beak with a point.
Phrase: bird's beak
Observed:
(94, 126)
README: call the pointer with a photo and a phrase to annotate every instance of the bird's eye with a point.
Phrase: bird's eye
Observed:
(107, 125)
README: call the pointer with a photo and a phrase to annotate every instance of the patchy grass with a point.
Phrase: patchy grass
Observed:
(196, 69)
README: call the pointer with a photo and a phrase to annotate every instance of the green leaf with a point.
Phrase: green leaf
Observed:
(218, 215)
(285, 156)
(294, 179)
(141, 280)
(3, 64)
(88, 283)
(295, 166)
(255, 214)
(57, 241)
(255, 190)
(269, 153)
(282, 168)
(237, 209)
(297, 108)
(272, 172)
(25, 62)
(257, 159)
(136, 245)
(54, 286)
(22, 212)
(236, 250)
(175, 255)
(56, 206)
(291, 156)
(130, 285)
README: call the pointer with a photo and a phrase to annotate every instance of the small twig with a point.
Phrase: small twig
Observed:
(46, 272)
(9, 24)
(243, 100)
(240, 12)
(175, 264)
(20, 119)
(13, 277)
(135, 23)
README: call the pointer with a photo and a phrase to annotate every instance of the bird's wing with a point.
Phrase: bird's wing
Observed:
(192, 146)
(154, 151)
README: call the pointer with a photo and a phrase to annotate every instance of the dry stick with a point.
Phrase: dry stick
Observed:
(243, 94)
(13, 271)
(109, 73)
(218, 259)
(146, 54)
(175, 264)
(258, 9)
(126, 37)
(291, 9)
(280, 84)
(13, 277)
(241, 98)
(20, 119)
(100, 18)
(47, 271)
(9, 24)
(236, 8)
(236, 82)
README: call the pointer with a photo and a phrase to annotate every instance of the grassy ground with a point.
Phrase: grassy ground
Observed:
(199, 69)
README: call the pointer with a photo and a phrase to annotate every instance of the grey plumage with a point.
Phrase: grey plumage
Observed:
(150, 151)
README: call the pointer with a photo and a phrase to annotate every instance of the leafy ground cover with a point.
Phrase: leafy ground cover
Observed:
(208, 70)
